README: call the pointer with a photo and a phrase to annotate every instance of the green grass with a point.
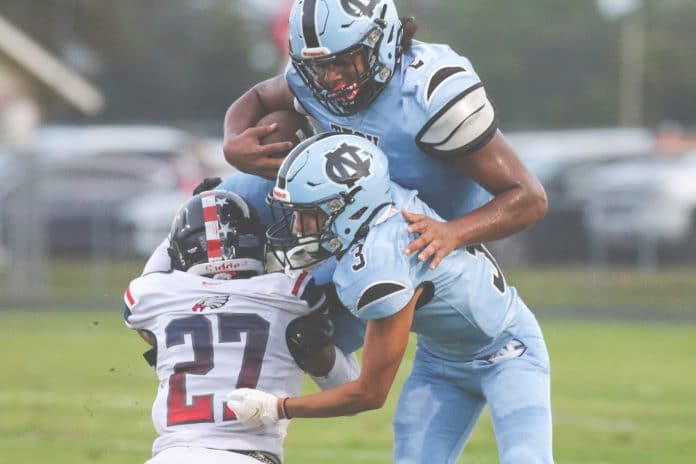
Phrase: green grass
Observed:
(77, 391)
(626, 291)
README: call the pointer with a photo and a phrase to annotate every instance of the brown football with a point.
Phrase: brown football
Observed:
(290, 124)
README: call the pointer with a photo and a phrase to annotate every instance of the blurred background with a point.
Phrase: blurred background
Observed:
(111, 111)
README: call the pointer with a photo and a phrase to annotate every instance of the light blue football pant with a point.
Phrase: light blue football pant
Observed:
(442, 400)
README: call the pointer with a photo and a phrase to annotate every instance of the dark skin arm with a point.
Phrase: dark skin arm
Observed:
(385, 343)
(148, 337)
(519, 201)
(241, 144)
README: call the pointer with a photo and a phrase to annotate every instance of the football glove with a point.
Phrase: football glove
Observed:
(253, 408)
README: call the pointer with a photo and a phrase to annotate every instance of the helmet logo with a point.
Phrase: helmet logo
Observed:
(359, 8)
(346, 166)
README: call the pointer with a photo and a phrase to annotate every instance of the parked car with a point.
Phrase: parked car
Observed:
(564, 162)
(652, 201)
(92, 176)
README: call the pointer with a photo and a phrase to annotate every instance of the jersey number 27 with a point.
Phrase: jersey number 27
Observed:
(230, 328)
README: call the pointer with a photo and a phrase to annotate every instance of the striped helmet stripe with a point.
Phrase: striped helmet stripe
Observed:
(212, 230)
(309, 30)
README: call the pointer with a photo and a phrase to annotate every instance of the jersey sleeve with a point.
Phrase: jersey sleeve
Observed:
(130, 304)
(307, 290)
(381, 286)
(142, 300)
(459, 116)
(298, 88)
(159, 261)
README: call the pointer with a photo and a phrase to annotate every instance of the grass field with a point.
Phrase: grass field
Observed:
(627, 291)
(75, 390)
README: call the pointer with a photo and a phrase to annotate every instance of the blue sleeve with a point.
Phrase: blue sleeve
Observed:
(254, 190)
(373, 280)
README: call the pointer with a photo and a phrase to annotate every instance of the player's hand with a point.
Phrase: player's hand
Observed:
(246, 153)
(436, 239)
(253, 407)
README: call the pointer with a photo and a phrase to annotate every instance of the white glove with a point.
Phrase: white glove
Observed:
(253, 407)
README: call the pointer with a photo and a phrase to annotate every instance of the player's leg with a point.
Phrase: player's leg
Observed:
(434, 417)
(518, 395)
(188, 455)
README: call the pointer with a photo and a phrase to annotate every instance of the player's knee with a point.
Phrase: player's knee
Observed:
(309, 342)
(525, 454)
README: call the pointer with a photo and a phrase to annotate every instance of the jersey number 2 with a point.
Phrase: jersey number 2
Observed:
(230, 328)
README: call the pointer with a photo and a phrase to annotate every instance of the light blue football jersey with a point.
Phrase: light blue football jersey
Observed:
(430, 78)
(472, 309)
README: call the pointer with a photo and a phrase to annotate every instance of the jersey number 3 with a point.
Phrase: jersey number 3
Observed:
(230, 328)
(498, 279)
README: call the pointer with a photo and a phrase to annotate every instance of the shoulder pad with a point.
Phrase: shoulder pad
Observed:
(426, 66)
(466, 123)
(459, 116)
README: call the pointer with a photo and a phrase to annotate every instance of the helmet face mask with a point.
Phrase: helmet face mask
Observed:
(302, 235)
(327, 194)
(217, 234)
(342, 31)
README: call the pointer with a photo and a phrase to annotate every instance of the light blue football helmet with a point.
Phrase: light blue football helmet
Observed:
(329, 31)
(329, 191)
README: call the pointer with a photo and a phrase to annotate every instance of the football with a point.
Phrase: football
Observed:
(291, 126)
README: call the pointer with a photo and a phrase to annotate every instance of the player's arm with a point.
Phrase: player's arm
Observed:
(309, 339)
(130, 298)
(241, 143)
(463, 130)
(148, 337)
(150, 355)
(385, 343)
(519, 199)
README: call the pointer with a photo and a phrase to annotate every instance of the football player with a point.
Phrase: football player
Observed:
(355, 68)
(216, 321)
(478, 343)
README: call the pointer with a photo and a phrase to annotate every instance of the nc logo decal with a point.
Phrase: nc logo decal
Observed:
(359, 8)
(347, 164)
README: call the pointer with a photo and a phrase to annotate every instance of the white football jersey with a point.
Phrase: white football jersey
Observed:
(214, 336)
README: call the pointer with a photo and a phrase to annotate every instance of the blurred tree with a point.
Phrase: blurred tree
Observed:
(670, 85)
(554, 64)
(545, 63)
